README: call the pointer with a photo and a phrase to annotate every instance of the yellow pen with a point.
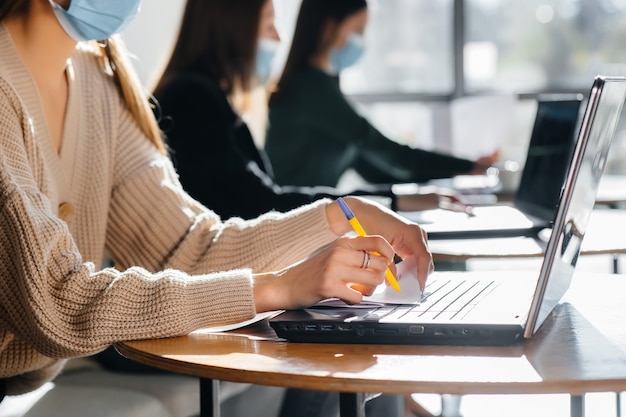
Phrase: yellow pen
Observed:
(356, 226)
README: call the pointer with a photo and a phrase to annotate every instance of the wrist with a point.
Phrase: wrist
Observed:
(264, 293)
(336, 219)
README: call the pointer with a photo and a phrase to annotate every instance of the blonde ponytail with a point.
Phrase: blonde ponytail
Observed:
(114, 58)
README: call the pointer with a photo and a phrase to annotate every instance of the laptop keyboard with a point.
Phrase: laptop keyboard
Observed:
(442, 300)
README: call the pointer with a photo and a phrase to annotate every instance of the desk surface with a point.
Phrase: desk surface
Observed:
(606, 234)
(580, 348)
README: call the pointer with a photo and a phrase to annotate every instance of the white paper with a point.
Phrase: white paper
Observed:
(409, 293)
(475, 126)
(228, 327)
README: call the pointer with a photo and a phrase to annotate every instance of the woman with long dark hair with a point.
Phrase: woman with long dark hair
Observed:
(314, 134)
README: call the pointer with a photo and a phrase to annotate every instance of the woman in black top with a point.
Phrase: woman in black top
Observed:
(312, 124)
(223, 52)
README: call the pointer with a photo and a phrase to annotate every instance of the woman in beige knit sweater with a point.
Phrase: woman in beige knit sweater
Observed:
(83, 174)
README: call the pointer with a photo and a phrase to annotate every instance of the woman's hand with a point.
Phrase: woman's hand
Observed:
(346, 269)
(485, 162)
(341, 269)
(405, 237)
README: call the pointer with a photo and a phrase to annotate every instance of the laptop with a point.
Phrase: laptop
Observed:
(485, 308)
(534, 204)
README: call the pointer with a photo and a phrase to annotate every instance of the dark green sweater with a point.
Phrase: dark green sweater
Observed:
(315, 135)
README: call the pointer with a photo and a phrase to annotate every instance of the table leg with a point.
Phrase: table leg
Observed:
(577, 406)
(209, 397)
(351, 404)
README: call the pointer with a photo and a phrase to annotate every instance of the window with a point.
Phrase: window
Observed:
(409, 49)
(538, 45)
(522, 47)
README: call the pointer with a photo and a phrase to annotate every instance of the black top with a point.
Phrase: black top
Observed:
(217, 159)
(315, 135)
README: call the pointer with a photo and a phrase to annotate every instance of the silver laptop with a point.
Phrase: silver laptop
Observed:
(485, 308)
(548, 156)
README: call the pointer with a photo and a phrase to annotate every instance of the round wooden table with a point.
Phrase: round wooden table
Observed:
(580, 348)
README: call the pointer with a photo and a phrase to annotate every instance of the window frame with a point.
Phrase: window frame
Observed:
(459, 90)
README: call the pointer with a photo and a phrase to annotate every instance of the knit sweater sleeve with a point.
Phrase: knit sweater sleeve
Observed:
(180, 267)
(155, 223)
(59, 306)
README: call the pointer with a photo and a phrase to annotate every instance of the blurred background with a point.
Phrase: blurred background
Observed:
(453, 75)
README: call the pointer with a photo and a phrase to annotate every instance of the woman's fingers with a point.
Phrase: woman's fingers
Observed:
(376, 245)
(348, 269)
(367, 267)
(425, 264)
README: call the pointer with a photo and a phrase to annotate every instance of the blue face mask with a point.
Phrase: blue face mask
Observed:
(86, 20)
(266, 51)
(348, 55)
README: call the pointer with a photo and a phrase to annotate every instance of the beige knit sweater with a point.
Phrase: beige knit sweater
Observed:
(55, 302)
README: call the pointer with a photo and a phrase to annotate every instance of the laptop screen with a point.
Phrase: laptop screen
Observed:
(579, 195)
(549, 154)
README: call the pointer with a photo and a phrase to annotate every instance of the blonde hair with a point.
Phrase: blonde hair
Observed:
(115, 61)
